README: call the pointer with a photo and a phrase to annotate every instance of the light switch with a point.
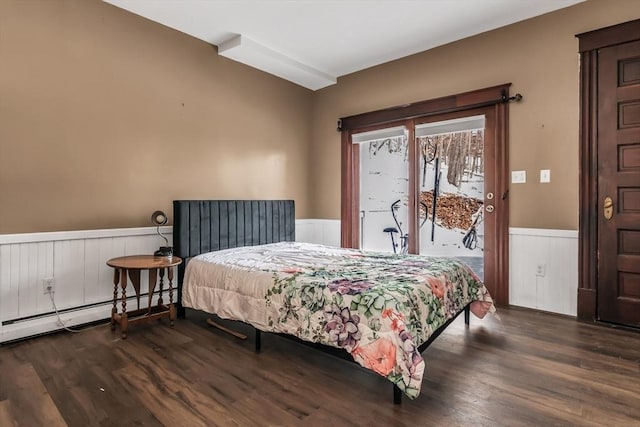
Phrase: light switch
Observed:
(545, 175)
(518, 177)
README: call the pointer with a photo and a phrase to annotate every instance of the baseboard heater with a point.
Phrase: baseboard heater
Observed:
(67, 310)
(79, 316)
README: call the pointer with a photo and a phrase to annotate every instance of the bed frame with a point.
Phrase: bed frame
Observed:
(201, 226)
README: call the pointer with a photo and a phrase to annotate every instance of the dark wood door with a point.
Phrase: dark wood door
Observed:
(619, 184)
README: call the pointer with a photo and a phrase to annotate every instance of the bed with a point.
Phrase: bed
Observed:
(381, 310)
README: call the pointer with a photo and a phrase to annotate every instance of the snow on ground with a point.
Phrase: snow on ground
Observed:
(384, 179)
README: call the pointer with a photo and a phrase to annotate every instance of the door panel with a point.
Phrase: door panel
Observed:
(629, 114)
(451, 186)
(629, 157)
(619, 179)
(384, 191)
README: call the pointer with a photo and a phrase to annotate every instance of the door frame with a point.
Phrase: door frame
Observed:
(589, 43)
(495, 98)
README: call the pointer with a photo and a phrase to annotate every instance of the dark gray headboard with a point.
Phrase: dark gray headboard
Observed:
(201, 226)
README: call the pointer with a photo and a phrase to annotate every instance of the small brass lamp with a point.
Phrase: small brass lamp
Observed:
(160, 218)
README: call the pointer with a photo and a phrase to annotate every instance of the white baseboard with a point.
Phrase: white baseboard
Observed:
(49, 323)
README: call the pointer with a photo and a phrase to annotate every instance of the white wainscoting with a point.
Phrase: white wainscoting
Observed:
(319, 231)
(83, 281)
(553, 289)
(76, 260)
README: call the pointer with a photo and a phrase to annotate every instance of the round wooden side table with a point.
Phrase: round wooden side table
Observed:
(131, 266)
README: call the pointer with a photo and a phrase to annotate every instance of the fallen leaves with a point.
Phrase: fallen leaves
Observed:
(452, 211)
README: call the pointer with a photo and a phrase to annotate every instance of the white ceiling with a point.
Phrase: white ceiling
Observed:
(313, 42)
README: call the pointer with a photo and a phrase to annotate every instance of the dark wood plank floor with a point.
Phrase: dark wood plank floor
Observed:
(523, 368)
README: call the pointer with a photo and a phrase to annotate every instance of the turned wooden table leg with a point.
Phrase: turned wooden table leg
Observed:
(161, 271)
(172, 310)
(124, 321)
(114, 310)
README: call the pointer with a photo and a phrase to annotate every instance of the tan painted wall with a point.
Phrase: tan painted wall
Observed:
(106, 117)
(538, 56)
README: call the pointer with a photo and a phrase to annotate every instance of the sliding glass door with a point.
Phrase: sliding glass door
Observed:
(446, 181)
(450, 188)
(384, 189)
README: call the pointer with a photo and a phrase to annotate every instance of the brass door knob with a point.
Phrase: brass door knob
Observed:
(608, 208)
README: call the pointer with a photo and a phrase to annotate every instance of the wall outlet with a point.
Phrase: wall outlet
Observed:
(541, 270)
(48, 285)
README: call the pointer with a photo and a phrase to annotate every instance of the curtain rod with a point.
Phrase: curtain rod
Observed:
(504, 99)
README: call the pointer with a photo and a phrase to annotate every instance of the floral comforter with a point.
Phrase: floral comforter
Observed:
(378, 307)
